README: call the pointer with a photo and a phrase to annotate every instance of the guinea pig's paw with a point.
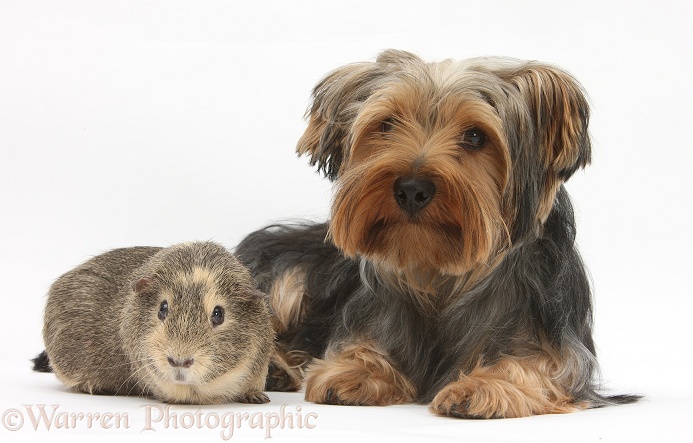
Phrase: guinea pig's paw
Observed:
(282, 378)
(256, 397)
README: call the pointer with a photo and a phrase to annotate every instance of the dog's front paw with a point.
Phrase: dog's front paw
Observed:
(507, 389)
(459, 399)
(358, 376)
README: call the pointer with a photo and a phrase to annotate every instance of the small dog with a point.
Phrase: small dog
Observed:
(448, 272)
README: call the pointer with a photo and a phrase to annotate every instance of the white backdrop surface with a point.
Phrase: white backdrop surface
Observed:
(153, 122)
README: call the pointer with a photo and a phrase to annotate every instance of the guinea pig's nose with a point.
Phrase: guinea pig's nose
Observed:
(180, 363)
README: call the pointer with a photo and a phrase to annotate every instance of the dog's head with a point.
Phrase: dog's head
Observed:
(443, 166)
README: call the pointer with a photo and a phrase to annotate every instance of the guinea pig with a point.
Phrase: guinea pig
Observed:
(183, 324)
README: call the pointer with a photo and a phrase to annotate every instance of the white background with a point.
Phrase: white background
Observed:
(153, 122)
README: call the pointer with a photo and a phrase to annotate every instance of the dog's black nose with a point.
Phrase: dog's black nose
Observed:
(413, 194)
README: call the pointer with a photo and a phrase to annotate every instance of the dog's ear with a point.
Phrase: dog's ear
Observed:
(397, 57)
(560, 113)
(336, 101)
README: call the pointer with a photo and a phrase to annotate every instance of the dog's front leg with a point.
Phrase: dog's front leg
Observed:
(357, 374)
(511, 387)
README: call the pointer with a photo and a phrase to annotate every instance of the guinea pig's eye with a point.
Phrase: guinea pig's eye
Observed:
(473, 139)
(163, 310)
(217, 316)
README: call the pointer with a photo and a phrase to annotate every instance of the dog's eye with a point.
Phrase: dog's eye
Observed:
(473, 139)
(386, 125)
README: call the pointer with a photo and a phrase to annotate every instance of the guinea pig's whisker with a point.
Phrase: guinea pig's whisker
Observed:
(131, 377)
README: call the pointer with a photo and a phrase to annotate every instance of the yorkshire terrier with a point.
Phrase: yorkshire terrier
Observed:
(447, 273)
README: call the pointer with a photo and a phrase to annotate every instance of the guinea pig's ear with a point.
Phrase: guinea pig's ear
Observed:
(336, 101)
(259, 295)
(560, 115)
(141, 284)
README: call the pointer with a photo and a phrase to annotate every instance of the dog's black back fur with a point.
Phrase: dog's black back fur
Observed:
(331, 279)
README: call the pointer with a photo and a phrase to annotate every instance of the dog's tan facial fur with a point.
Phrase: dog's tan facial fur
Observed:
(463, 226)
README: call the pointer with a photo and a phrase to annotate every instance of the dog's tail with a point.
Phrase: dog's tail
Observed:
(41, 363)
(613, 400)
(622, 399)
